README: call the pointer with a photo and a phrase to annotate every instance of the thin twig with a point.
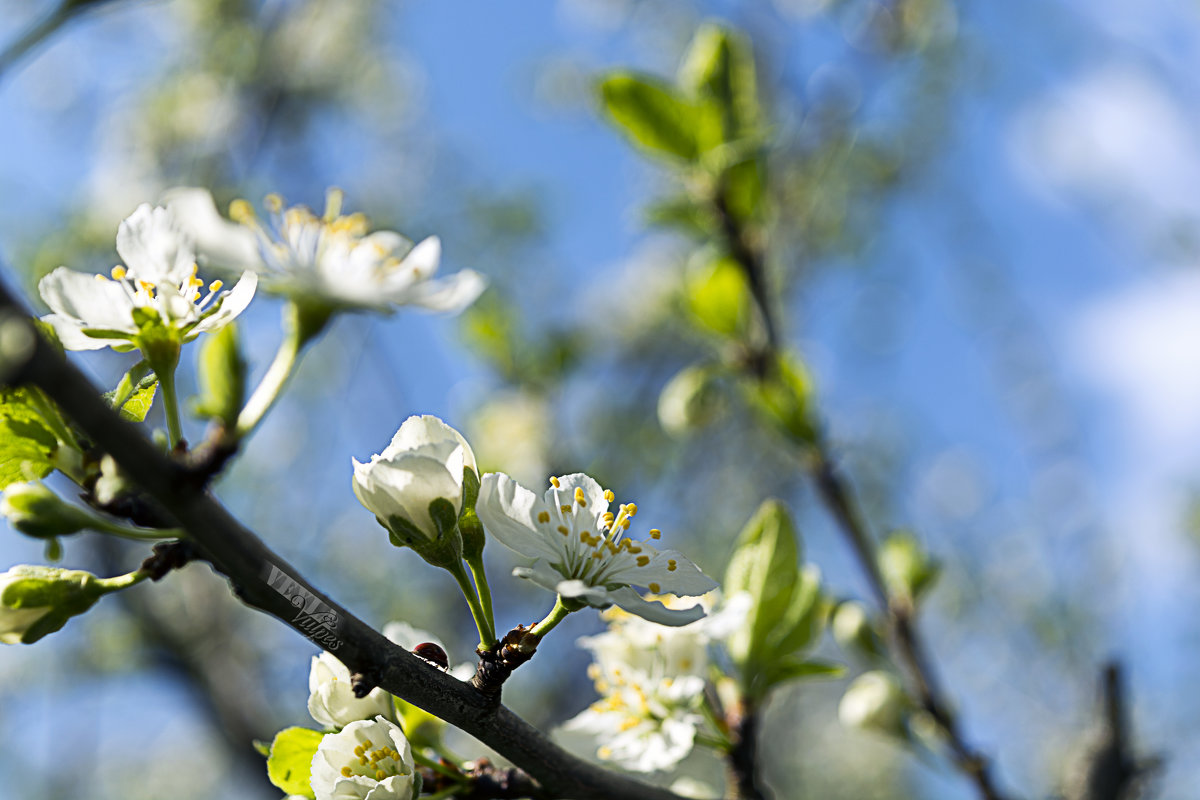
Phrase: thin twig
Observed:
(908, 644)
(43, 29)
(265, 581)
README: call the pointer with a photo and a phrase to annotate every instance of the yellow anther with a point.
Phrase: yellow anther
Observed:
(630, 723)
(380, 774)
(359, 751)
(565, 509)
(643, 560)
(347, 772)
(604, 752)
(579, 498)
(625, 524)
(100, 277)
(609, 517)
(119, 273)
(686, 663)
(583, 536)
(215, 286)
(241, 211)
(362, 760)
(333, 202)
(609, 496)
(597, 555)
(145, 286)
(655, 533)
(631, 509)
(273, 202)
(367, 743)
(654, 587)
(671, 565)
(543, 516)
(633, 548)
(563, 530)
(554, 482)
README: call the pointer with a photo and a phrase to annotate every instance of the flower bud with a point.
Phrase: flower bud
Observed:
(36, 511)
(852, 629)
(690, 400)
(875, 701)
(331, 699)
(415, 487)
(36, 601)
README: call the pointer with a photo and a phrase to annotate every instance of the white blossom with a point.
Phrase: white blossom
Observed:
(581, 548)
(91, 312)
(329, 261)
(651, 683)
(331, 700)
(423, 463)
(367, 760)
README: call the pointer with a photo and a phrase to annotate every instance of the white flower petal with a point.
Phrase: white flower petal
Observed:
(425, 429)
(449, 295)
(233, 303)
(406, 484)
(632, 602)
(153, 248)
(224, 245)
(95, 303)
(509, 511)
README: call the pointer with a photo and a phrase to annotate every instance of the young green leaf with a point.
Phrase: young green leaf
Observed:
(717, 297)
(221, 374)
(652, 113)
(784, 397)
(908, 570)
(289, 766)
(764, 564)
(719, 66)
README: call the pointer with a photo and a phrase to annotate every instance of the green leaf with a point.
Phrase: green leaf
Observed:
(684, 214)
(743, 187)
(27, 441)
(719, 67)
(908, 570)
(221, 375)
(138, 405)
(801, 626)
(784, 398)
(717, 297)
(652, 114)
(791, 669)
(764, 564)
(289, 765)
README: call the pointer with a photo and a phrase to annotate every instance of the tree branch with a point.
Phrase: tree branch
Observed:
(265, 581)
(908, 643)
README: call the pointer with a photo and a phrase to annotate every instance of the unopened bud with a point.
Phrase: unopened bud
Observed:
(690, 400)
(875, 701)
(36, 511)
(852, 629)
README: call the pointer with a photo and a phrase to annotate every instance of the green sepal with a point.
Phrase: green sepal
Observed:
(402, 533)
(289, 761)
(473, 536)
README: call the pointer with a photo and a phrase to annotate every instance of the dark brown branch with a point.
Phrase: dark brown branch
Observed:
(743, 756)
(265, 581)
(907, 643)
(1110, 770)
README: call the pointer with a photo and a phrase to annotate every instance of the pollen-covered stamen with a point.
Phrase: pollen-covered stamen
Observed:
(379, 763)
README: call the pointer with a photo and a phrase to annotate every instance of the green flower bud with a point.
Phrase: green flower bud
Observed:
(690, 400)
(853, 630)
(875, 701)
(36, 511)
(36, 601)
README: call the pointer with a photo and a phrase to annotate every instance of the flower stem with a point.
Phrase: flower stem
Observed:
(487, 634)
(107, 585)
(137, 534)
(166, 380)
(437, 766)
(481, 586)
(272, 384)
(556, 615)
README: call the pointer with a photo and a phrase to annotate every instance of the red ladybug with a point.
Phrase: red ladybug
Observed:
(433, 654)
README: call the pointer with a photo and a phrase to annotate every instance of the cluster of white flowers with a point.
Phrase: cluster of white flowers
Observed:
(330, 262)
(580, 547)
(651, 680)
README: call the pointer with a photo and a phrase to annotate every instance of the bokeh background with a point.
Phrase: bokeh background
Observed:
(987, 244)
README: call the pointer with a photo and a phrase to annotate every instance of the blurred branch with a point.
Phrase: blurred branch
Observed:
(838, 498)
(43, 29)
(261, 579)
(1110, 770)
